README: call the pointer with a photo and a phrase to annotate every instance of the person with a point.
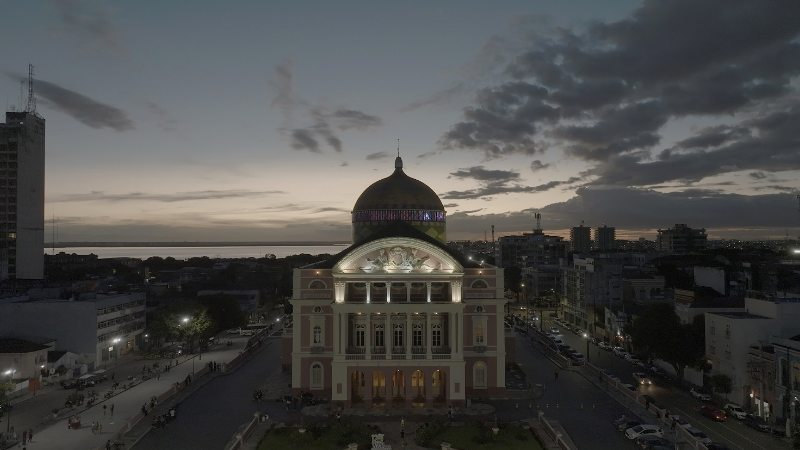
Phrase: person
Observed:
(556, 374)
(104, 409)
(338, 417)
(108, 444)
(24, 438)
(450, 411)
(673, 423)
(144, 409)
(112, 410)
(30, 435)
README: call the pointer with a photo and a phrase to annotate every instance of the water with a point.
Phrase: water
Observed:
(182, 253)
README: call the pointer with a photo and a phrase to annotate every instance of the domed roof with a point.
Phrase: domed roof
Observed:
(398, 191)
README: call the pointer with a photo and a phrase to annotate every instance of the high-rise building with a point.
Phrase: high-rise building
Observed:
(580, 239)
(682, 239)
(605, 238)
(22, 196)
(398, 319)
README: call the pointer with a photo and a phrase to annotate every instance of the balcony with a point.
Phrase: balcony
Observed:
(317, 349)
(398, 350)
(479, 348)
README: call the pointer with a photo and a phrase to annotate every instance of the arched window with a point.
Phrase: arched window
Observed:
(317, 284)
(317, 334)
(479, 284)
(479, 375)
(316, 376)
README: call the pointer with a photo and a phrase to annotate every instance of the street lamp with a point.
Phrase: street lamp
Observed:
(586, 336)
(7, 406)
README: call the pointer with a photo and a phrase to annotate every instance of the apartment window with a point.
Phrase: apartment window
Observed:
(727, 331)
(436, 337)
(317, 334)
(713, 328)
(416, 337)
(713, 349)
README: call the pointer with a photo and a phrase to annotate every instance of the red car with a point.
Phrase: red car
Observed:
(713, 413)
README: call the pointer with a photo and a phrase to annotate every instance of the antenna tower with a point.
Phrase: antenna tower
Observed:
(30, 108)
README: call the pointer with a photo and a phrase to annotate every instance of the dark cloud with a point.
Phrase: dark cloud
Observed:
(282, 82)
(378, 156)
(166, 198)
(495, 188)
(303, 139)
(92, 28)
(605, 93)
(84, 109)
(537, 165)
(757, 175)
(347, 118)
(441, 97)
(482, 174)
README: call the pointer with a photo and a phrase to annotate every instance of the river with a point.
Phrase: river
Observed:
(182, 253)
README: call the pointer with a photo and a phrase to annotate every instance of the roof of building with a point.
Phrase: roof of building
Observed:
(397, 228)
(739, 315)
(14, 345)
(398, 191)
(721, 302)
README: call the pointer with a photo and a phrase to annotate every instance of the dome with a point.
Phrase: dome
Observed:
(399, 197)
(398, 191)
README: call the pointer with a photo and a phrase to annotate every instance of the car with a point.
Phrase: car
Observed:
(700, 393)
(557, 341)
(679, 421)
(734, 410)
(713, 413)
(631, 359)
(625, 422)
(628, 386)
(641, 378)
(612, 376)
(643, 430)
(657, 371)
(233, 331)
(651, 441)
(604, 346)
(699, 435)
(594, 340)
(756, 423)
(554, 330)
(619, 351)
(717, 446)
(577, 357)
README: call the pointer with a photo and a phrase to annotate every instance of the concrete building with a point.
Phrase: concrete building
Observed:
(100, 327)
(21, 359)
(682, 239)
(591, 283)
(730, 335)
(605, 238)
(580, 239)
(22, 196)
(534, 249)
(398, 318)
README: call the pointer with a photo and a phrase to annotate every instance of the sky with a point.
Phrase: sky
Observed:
(264, 121)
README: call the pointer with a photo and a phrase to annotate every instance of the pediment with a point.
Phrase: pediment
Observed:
(398, 255)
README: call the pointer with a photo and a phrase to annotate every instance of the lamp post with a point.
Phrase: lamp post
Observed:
(586, 336)
(7, 406)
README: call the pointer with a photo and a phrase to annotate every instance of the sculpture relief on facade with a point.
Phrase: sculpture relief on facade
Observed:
(397, 259)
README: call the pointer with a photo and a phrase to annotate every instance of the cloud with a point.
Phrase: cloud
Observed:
(441, 97)
(757, 175)
(495, 188)
(537, 165)
(378, 156)
(92, 28)
(482, 174)
(165, 198)
(606, 92)
(84, 109)
(310, 137)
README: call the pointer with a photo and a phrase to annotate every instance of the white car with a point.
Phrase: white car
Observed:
(700, 394)
(604, 346)
(644, 430)
(734, 410)
(641, 378)
(619, 351)
(631, 359)
(679, 421)
(558, 341)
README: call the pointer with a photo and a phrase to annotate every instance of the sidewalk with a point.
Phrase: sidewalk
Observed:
(127, 403)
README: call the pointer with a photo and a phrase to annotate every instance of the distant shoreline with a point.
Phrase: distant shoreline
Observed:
(194, 244)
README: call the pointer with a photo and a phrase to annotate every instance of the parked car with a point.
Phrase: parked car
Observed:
(756, 423)
(605, 346)
(631, 359)
(713, 413)
(558, 341)
(619, 351)
(554, 330)
(658, 372)
(717, 446)
(623, 423)
(699, 435)
(734, 410)
(612, 376)
(577, 357)
(629, 386)
(651, 441)
(641, 378)
(700, 393)
(644, 430)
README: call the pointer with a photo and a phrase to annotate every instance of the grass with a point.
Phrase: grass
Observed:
(334, 437)
(479, 438)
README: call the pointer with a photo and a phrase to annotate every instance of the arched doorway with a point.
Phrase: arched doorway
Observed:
(439, 386)
(378, 388)
(357, 387)
(418, 389)
(398, 388)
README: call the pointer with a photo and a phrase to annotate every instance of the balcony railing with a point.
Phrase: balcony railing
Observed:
(418, 350)
(398, 350)
(479, 348)
(440, 350)
(353, 350)
(379, 350)
(317, 349)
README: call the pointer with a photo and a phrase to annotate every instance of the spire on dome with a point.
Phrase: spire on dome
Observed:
(398, 162)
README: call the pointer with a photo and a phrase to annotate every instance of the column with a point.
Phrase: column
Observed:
(451, 332)
(336, 337)
(407, 336)
(388, 292)
(429, 332)
(387, 335)
(344, 325)
(368, 389)
(408, 292)
(368, 337)
(428, 285)
(368, 291)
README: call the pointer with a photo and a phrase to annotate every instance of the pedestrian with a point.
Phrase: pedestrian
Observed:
(516, 406)
(556, 374)
(450, 411)
(30, 435)
(158, 376)
(144, 409)
(112, 376)
(338, 417)
(673, 423)
(104, 409)
(647, 404)
(112, 410)
(24, 438)
(108, 444)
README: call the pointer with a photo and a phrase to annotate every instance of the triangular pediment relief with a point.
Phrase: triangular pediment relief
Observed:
(398, 255)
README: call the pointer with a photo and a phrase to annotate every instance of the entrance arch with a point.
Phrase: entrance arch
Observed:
(439, 386)
(418, 388)
(357, 387)
(378, 388)
(399, 388)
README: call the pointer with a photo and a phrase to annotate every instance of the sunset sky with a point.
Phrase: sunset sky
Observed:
(264, 121)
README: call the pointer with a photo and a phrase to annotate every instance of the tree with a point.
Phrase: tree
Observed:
(197, 327)
(658, 333)
(721, 383)
(224, 310)
(5, 403)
